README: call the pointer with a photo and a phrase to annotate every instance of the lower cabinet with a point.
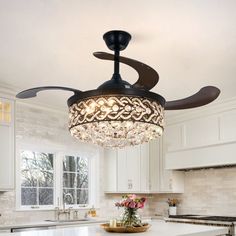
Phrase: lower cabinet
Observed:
(140, 169)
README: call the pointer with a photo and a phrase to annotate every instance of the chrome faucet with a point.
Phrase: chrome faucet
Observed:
(67, 212)
(65, 197)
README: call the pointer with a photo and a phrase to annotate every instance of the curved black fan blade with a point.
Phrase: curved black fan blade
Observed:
(29, 93)
(148, 77)
(204, 96)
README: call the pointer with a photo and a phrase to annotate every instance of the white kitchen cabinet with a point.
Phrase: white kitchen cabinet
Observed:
(144, 168)
(163, 180)
(140, 169)
(6, 144)
(201, 132)
(127, 170)
(110, 167)
(175, 134)
(206, 140)
(228, 126)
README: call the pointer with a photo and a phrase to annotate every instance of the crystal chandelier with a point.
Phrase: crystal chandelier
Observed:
(116, 121)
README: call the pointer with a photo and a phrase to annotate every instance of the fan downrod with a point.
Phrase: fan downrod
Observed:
(117, 40)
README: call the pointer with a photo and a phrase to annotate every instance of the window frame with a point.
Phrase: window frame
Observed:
(93, 176)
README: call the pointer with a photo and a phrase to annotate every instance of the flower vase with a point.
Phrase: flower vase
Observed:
(172, 210)
(130, 217)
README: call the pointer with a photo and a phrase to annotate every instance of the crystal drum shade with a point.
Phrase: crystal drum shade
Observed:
(116, 121)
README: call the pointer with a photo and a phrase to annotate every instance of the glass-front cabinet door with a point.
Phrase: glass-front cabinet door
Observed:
(6, 111)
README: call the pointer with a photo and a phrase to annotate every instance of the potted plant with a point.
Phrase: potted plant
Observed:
(172, 202)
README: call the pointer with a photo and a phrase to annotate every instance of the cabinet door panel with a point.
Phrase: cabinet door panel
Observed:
(227, 126)
(110, 166)
(122, 170)
(173, 137)
(6, 157)
(154, 165)
(202, 132)
(144, 167)
(133, 168)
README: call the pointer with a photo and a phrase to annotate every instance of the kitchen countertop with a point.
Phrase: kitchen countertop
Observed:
(48, 223)
(158, 227)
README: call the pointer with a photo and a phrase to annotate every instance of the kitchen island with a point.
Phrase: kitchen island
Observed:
(158, 228)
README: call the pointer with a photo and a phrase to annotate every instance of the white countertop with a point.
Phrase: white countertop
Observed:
(48, 223)
(158, 228)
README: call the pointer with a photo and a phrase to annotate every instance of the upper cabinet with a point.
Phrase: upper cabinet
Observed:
(204, 141)
(227, 124)
(162, 180)
(128, 171)
(6, 144)
(140, 169)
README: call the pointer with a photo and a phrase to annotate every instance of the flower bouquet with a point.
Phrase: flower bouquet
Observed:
(131, 204)
(130, 221)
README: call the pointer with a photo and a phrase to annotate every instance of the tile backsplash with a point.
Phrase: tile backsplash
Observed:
(211, 191)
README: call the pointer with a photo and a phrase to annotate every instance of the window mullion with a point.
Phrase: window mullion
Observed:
(37, 192)
(58, 180)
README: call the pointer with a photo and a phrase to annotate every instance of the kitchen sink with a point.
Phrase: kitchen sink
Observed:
(74, 220)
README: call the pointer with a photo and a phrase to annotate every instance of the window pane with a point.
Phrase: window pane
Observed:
(45, 179)
(82, 196)
(82, 181)
(69, 196)
(29, 178)
(36, 160)
(45, 196)
(28, 196)
(82, 164)
(69, 164)
(69, 180)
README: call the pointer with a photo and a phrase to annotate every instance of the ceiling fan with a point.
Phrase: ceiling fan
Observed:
(118, 113)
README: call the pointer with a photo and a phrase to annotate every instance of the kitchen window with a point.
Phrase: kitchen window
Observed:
(50, 179)
(37, 178)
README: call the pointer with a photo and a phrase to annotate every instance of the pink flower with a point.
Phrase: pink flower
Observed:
(131, 201)
(132, 204)
(131, 196)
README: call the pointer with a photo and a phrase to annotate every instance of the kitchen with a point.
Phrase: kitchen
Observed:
(51, 43)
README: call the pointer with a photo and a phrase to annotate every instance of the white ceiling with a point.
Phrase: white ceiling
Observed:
(191, 43)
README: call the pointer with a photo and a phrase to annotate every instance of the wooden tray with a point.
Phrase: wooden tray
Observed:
(126, 229)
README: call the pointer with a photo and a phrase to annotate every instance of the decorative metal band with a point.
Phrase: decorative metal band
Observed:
(119, 121)
(116, 109)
